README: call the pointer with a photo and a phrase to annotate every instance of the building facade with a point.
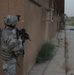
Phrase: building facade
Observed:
(41, 20)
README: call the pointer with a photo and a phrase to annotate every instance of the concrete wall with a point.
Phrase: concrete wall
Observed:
(37, 22)
(36, 28)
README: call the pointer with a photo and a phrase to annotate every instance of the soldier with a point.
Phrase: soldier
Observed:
(10, 49)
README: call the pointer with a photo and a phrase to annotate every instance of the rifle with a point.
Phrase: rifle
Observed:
(24, 36)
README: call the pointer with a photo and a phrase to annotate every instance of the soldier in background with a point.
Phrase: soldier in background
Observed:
(62, 21)
(10, 49)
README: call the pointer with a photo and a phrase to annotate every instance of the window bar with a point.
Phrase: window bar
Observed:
(39, 5)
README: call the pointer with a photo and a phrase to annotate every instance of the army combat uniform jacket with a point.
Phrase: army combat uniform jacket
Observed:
(9, 44)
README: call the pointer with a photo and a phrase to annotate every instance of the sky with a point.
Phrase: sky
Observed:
(69, 7)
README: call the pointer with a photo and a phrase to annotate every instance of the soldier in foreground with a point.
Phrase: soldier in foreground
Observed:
(10, 49)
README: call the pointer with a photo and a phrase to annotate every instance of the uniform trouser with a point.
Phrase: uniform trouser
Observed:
(9, 67)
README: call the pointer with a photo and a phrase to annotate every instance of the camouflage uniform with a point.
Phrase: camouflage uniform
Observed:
(10, 44)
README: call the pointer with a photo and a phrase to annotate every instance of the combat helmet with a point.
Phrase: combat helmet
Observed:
(11, 20)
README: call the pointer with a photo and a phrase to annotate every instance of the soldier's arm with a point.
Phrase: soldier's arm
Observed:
(15, 45)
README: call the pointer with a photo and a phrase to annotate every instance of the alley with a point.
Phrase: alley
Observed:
(57, 65)
(41, 19)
